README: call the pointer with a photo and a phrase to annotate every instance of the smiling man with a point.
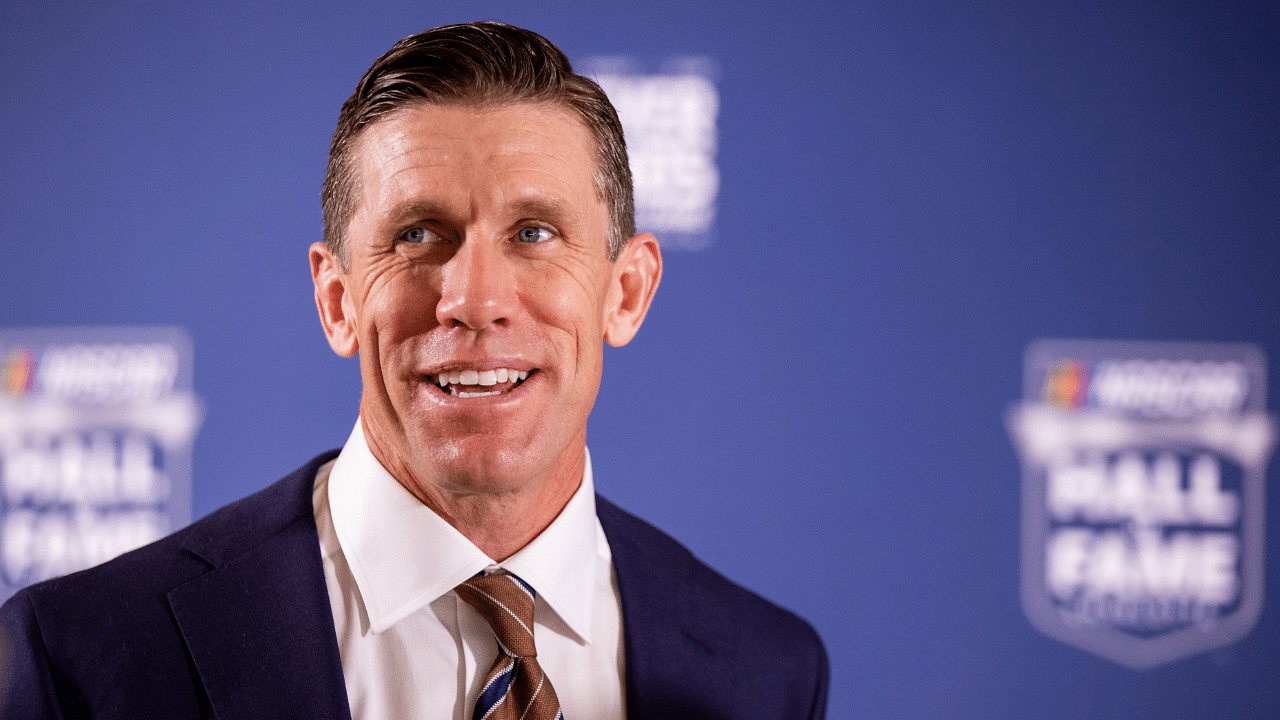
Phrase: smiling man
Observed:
(475, 281)
(452, 560)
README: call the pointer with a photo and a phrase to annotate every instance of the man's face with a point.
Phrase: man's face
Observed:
(479, 293)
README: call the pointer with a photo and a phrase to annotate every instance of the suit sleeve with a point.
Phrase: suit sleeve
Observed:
(819, 710)
(26, 682)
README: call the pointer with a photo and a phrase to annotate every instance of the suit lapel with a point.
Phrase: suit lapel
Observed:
(679, 653)
(258, 625)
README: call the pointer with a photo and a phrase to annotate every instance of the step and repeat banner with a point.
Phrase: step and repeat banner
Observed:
(963, 348)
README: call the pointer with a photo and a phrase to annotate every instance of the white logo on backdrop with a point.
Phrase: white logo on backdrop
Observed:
(96, 427)
(669, 118)
(1144, 466)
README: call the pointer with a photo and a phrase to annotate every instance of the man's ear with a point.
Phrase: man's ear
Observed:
(636, 273)
(332, 300)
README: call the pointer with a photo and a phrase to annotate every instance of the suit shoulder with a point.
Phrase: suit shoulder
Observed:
(110, 634)
(228, 531)
(683, 619)
(662, 562)
(153, 569)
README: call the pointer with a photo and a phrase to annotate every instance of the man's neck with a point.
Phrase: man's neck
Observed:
(501, 522)
(500, 525)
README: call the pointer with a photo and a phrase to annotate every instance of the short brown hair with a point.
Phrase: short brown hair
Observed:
(481, 63)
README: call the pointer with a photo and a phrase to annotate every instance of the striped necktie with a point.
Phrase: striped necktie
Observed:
(515, 688)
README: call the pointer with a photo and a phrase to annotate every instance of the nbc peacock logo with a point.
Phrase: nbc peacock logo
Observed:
(18, 372)
(1066, 385)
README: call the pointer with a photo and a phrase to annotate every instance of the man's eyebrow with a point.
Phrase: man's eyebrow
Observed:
(528, 208)
(544, 208)
(414, 211)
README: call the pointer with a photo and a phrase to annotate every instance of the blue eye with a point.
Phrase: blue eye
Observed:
(532, 234)
(419, 235)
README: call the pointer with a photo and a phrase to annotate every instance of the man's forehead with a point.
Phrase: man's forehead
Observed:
(540, 154)
(509, 120)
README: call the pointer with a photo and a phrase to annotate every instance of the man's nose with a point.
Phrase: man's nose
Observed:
(477, 288)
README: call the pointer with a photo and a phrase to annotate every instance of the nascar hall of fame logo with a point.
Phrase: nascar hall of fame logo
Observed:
(96, 428)
(1144, 469)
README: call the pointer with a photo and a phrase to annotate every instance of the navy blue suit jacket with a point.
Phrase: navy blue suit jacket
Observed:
(230, 618)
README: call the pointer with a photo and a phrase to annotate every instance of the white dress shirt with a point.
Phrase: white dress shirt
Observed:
(410, 647)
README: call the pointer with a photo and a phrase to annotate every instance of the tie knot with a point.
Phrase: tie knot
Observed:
(506, 603)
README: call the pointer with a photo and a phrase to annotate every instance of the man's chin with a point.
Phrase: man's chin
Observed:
(478, 466)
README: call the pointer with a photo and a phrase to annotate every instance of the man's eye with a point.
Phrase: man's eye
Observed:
(419, 235)
(533, 234)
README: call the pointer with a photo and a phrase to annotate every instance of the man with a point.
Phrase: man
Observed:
(453, 560)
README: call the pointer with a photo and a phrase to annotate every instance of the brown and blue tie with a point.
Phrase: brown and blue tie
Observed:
(516, 688)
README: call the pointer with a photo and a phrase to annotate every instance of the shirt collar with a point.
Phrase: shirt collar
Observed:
(404, 556)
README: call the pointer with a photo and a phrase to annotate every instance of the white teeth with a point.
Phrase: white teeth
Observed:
(479, 377)
(478, 394)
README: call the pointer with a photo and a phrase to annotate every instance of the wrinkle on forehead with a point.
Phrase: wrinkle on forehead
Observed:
(390, 145)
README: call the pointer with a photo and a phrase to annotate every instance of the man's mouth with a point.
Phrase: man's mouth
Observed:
(479, 383)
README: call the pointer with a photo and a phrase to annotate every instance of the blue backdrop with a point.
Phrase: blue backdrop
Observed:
(910, 193)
